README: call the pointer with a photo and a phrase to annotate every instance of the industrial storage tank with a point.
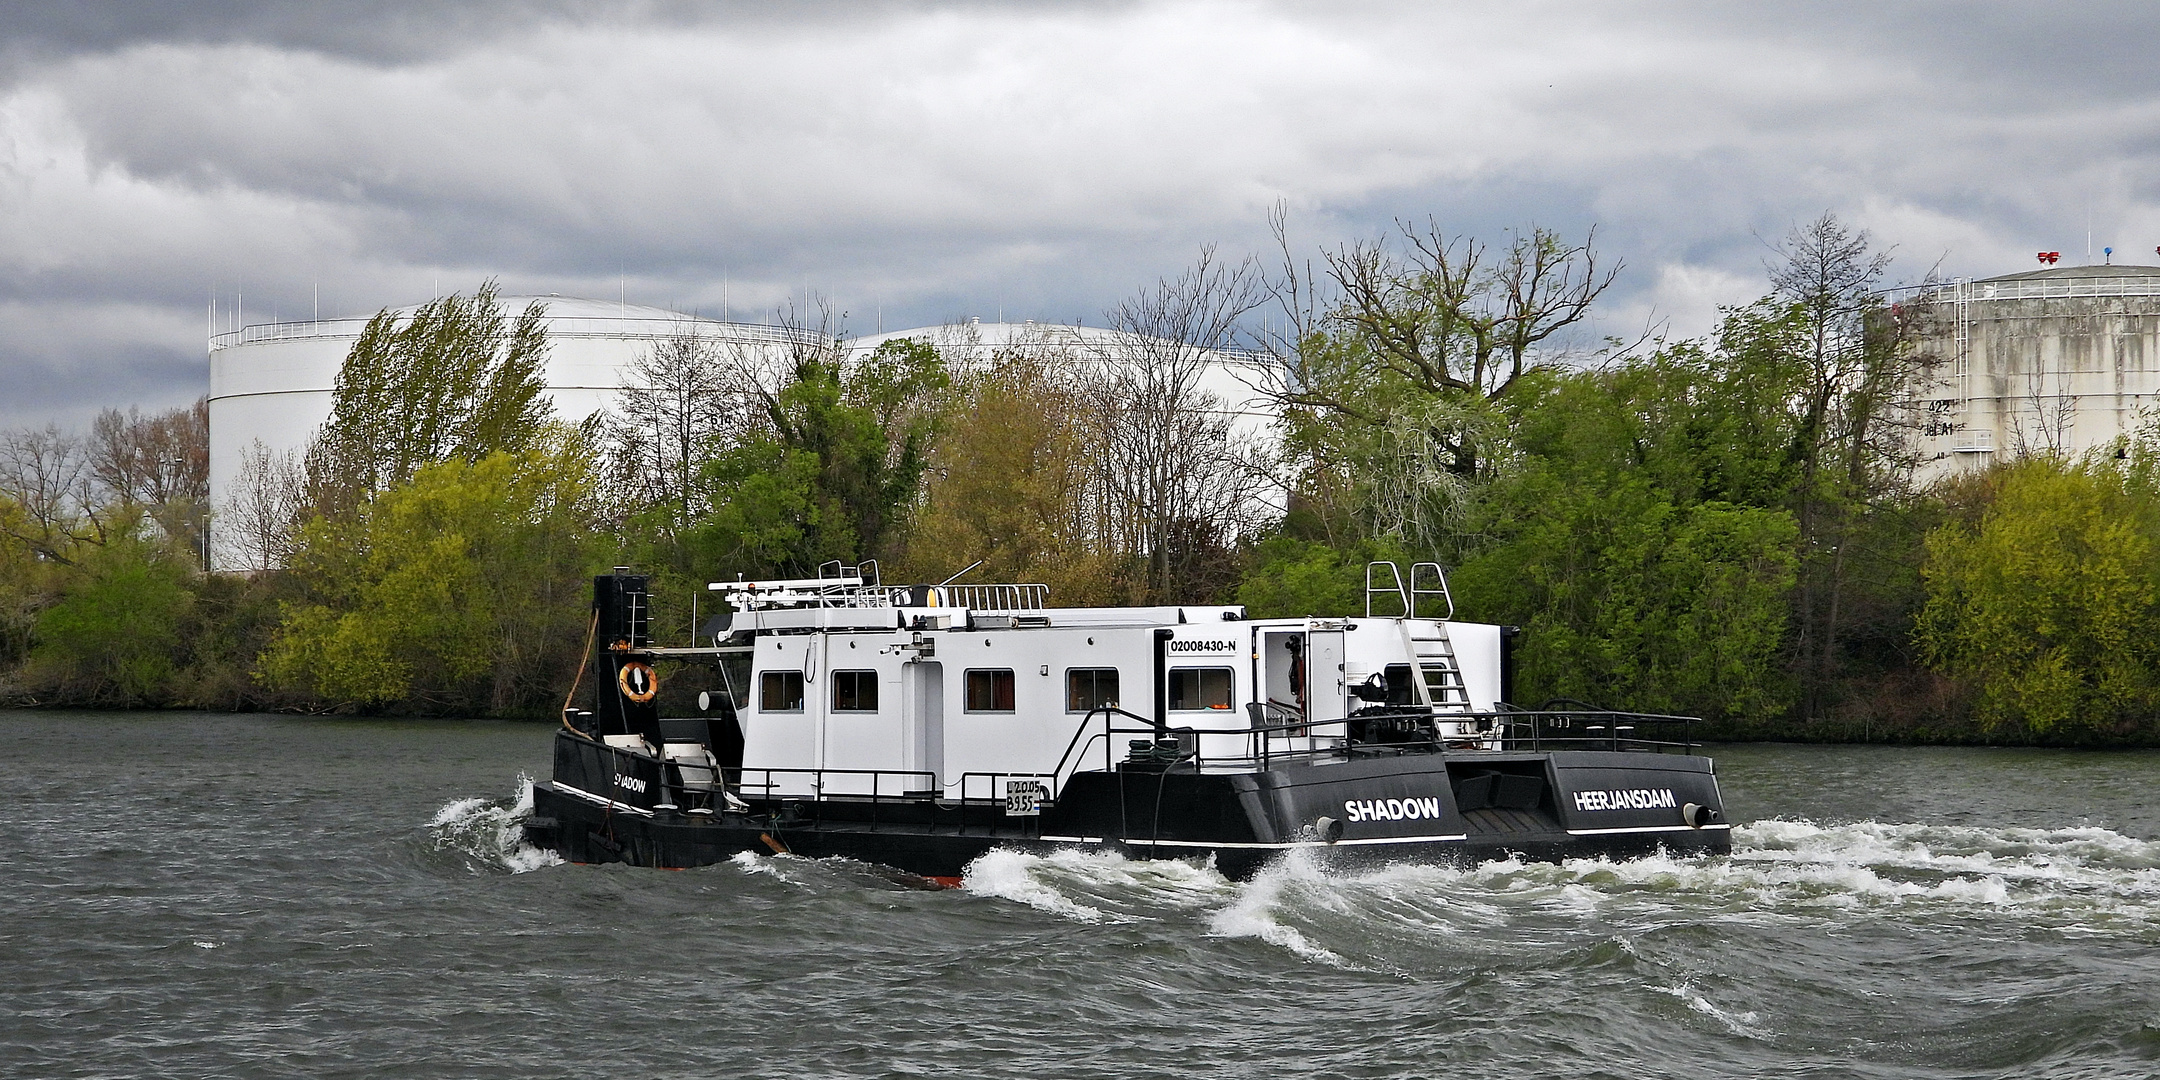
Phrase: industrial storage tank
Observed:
(271, 383)
(2060, 360)
(1238, 381)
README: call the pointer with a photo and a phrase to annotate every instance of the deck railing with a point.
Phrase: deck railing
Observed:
(1505, 729)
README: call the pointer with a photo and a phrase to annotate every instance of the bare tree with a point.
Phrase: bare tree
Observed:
(260, 518)
(46, 475)
(1828, 274)
(1392, 353)
(2052, 409)
(1853, 440)
(159, 463)
(1405, 342)
(1180, 482)
(153, 460)
(680, 402)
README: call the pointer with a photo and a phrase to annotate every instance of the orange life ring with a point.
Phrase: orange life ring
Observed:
(637, 681)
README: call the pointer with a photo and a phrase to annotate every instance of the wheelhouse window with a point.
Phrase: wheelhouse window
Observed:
(780, 691)
(1088, 689)
(1200, 688)
(990, 690)
(854, 691)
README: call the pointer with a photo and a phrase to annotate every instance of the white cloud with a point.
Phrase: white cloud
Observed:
(1040, 160)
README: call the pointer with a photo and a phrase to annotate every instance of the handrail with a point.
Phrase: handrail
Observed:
(1439, 574)
(2049, 288)
(1398, 589)
(1074, 743)
(1518, 730)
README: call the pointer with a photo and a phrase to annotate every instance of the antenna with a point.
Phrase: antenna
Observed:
(959, 575)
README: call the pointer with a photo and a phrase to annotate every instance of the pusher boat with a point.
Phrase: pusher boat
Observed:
(919, 727)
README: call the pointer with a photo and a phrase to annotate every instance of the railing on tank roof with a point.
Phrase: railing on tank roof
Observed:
(557, 326)
(2078, 288)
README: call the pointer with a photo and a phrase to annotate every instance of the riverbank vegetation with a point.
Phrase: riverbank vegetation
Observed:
(1730, 527)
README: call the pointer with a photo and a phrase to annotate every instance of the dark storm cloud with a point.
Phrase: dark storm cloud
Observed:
(377, 31)
(930, 160)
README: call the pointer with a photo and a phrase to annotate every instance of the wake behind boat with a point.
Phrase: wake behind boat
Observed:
(919, 727)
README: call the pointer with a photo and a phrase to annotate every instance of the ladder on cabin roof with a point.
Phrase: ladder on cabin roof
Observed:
(1439, 680)
(1427, 580)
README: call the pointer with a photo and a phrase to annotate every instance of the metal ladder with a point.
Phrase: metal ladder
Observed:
(1439, 681)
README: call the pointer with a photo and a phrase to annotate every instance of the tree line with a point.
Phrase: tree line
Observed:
(1728, 527)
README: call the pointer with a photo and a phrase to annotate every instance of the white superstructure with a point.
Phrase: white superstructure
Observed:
(963, 689)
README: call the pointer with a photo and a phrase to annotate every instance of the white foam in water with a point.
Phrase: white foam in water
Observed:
(1279, 886)
(749, 862)
(2079, 881)
(1741, 1023)
(1011, 875)
(492, 833)
(2066, 877)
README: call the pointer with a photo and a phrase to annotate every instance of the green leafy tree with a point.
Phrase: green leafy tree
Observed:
(115, 636)
(1292, 577)
(837, 470)
(457, 380)
(1009, 484)
(1638, 535)
(2050, 602)
(463, 591)
(1631, 599)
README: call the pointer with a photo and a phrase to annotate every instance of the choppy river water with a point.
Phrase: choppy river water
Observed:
(240, 896)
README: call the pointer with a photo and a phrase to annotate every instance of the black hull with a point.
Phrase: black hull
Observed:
(1393, 806)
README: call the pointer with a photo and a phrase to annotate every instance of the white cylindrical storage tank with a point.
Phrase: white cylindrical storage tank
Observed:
(2059, 361)
(1238, 381)
(272, 383)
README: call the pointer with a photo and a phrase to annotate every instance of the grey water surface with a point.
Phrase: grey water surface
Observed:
(194, 895)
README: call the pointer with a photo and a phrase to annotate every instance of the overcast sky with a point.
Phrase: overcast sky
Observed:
(928, 161)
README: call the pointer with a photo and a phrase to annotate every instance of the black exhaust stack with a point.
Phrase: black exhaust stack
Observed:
(627, 691)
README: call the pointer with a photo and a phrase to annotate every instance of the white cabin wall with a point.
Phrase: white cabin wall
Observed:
(1477, 653)
(779, 740)
(862, 740)
(1034, 736)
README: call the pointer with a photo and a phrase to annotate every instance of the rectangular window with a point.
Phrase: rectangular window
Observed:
(780, 691)
(854, 691)
(990, 690)
(1087, 689)
(1200, 688)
